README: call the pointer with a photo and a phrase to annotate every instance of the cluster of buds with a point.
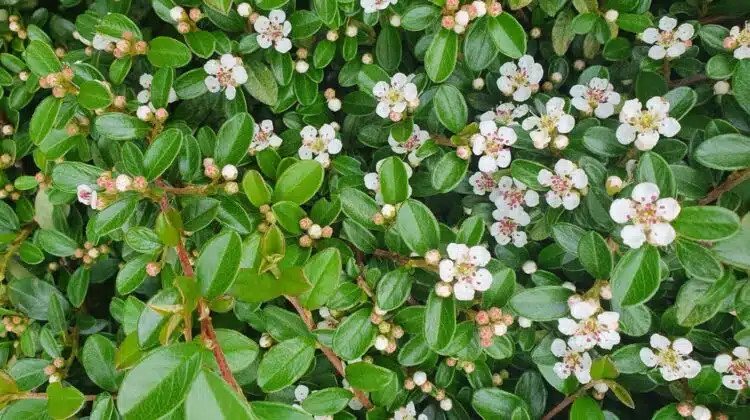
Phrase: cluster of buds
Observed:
(15, 25)
(6, 160)
(15, 324)
(89, 253)
(186, 21)
(121, 183)
(386, 215)
(334, 103)
(127, 46)
(465, 365)
(228, 173)
(697, 412)
(389, 333)
(419, 379)
(42, 180)
(492, 323)
(79, 124)
(499, 378)
(148, 113)
(301, 65)
(9, 191)
(457, 17)
(314, 231)
(60, 82)
(330, 318)
(53, 370)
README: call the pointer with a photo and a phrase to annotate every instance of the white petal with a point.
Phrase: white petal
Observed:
(446, 270)
(742, 352)
(212, 84)
(621, 210)
(605, 110)
(487, 164)
(371, 181)
(657, 52)
(211, 67)
(646, 141)
(650, 35)
(301, 392)
(701, 412)
(305, 153)
(382, 109)
(566, 123)
(659, 342)
(564, 167)
(545, 177)
(309, 133)
(667, 23)
(645, 192)
(683, 346)
(463, 291)
(262, 24)
(239, 74)
(561, 370)
(685, 31)
(531, 198)
(625, 133)
(580, 179)
(553, 199)
(230, 92)
(457, 251)
(283, 45)
(228, 61)
(571, 200)
(334, 146)
(399, 80)
(567, 326)
(648, 357)
(722, 363)
(690, 368)
(479, 255)
(277, 16)
(558, 347)
(482, 280)
(676, 50)
(522, 94)
(145, 80)
(633, 236)
(669, 127)
(733, 382)
(667, 208)
(555, 105)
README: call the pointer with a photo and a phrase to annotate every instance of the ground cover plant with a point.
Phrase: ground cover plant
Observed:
(374, 209)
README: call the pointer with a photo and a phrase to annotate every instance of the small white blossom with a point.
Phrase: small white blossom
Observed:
(372, 180)
(573, 363)
(264, 137)
(588, 332)
(483, 182)
(505, 114)
(520, 80)
(394, 98)
(411, 145)
(739, 41)
(372, 6)
(524, 322)
(511, 195)
(419, 378)
(649, 215)
(668, 42)
(598, 98)
(737, 371)
(322, 143)
(553, 124)
(493, 144)
(226, 73)
(464, 265)
(273, 30)
(671, 358)
(644, 126)
(507, 227)
(565, 184)
(87, 196)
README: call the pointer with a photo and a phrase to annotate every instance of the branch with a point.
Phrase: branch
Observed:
(733, 180)
(688, 80)
(207, 328)
(567, 401)
(335, 361)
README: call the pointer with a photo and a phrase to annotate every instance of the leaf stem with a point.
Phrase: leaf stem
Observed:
(567, 401)
(688, 80)
(335, 361)
(734, 179)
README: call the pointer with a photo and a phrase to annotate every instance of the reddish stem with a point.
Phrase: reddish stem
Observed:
(733, 180)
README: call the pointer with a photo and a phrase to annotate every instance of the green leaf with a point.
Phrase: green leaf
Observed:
(393, 289)
(636, 276)
(114, 216)
(160, 382)
(440, 59)
(567, 235)
(439, 321)
(369, 377)
(726, 152)
(543, 303)
(256, 188)
(451, 108)
(698, 261)
(527, 172)
(595, 255)
(78, 285)
(479, 45)
(418, 16)
(41, 59)
(43, 119)
(56, 243)
(199, 213)
(740, 84)
(218, 264)
(64, 402)
(393, 180)
(223, 7)
(162, 153)
(355, 335)
(98, 359)
(586, 408)
(494, 403)
(164, 51)
(508, 35)
(449, 172)
(417, 227)
(323, 271)
(240, 351)
(161, 85)
(264, 410)
(117, 126)
(698, 301)
(285, 363)
(210, 397)
(681, 101)
(260, 83)
(706, 223)
(299, 182)
(94, 94)
(734, 250)
(326, 402)
(388, 47)
(233, 139)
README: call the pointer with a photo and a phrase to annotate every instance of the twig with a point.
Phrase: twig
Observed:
(733, 180)
(335, 361)
(382, 253)
(688, 80)
(207, 328)
(567, 401)
(361, 282)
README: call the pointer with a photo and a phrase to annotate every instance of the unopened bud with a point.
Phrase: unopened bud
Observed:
(432, 257)
(611, 15)
(579, 65)
(332, 36)
(536, 33)
(478, 83)
(351, 31)
(305, 241)
(613, 185)
(721, 87)
(463, 152)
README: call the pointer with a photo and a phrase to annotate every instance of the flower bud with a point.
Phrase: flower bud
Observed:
(721, 87)
(327, 232)
(462, 18)
(529, 267)
(49, 370)
(232, 188)
(244, 9)
(613, 184)
(315, 231)
(478, 83)
(605, 292)
(123, 182)
(409, 384)
(153, 268)
(611, 15)
(684, 409)
(305, 241)
(432, 257)
(579, 65)
(443, 289)
(480, 7)
(448, 22)
(561, 142)
(381, 342)
(332, 36)
(395, 21)
(459, 29)
(367, 58)
(59, 362)
(495, 9)
(420, 378)
(482, 318)
(730, 43)
(469, 367)
(388, 211)
(446, 404)
(463, 152)
(229, 172)
(334, 104)
(265, 341)
(304, 223)
(212, 172)
(351, 31)
(195, 14)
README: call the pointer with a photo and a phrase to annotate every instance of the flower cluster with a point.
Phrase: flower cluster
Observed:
(510, 197)
(590, 325)
(573, 362)
(565, 185)
(458, 20)
(186, 21)
(492, 323)
(492, 144)
(598, 97)
(264, 137)
(667, 41)
(649, 215)
(396, 97)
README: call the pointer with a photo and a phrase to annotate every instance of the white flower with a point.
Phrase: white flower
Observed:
(505, 114)
(273, 30)
(492, 143)
(511, 195)
(700, 412)
(226, 73)
(739, 40)
(598, 98)
(123, 182)
(372, 6)
(322, 143)
(394, 98)
(649, 215)
(565, 184)
(644, 126)
(144, 96)
(483, 182)
(264, 137)
(411, 145)
(576, 363)
(506, 229)
(586, 333)
(553, 124)
(408, 412)
(372, 180)
(520, 80)
(464, 265)
(668, 42)
(301, 392)
(671, 358)
(737, 370)
(87, 196)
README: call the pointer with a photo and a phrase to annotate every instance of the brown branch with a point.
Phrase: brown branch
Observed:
(382, 253)
(567, 401)
(688, 80)
(361, 282)
(716, 19)
(734, 179)
(207, 328)
(335, 361)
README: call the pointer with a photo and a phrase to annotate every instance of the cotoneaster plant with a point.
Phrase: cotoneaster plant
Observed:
(375, 209)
